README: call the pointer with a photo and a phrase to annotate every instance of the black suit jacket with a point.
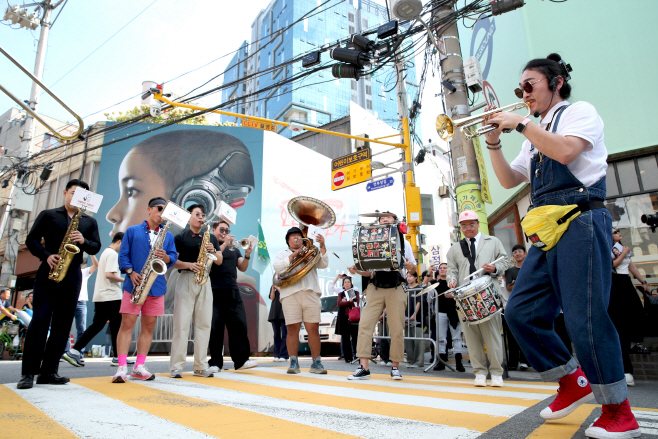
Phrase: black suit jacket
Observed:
(51, 225)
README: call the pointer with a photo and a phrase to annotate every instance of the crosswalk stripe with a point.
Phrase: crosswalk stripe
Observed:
(197, 414)
(330, 388)
(565, 427)
(35, 424)
(647, 420)
(91, 415)
(393, 410)
(314, 410)
(481, 394)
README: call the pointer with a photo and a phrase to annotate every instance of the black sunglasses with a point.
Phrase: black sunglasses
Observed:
(160, 208)
(223, 230)
(616, 232)
(527, 87)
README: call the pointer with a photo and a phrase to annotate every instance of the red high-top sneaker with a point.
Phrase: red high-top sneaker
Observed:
(574, 390)
(616, 422)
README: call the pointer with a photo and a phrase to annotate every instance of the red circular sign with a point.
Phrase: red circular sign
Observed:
(490, 95)
(339, 178)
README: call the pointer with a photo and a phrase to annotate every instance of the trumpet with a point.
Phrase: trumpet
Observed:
(445, 126)
(244, 243)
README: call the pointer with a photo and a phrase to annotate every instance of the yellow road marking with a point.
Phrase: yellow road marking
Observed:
(451, 418)
(32, 422)
(210, 418)
(565, 427)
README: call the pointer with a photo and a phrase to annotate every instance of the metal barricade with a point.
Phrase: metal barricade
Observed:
(163, 331)
(428, 312)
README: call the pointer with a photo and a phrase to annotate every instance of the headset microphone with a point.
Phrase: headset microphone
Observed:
(551, 87)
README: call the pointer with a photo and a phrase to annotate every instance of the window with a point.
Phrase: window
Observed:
(353, 83)
(368, 105)
(0, 130)
(365, 23)
(351, 17)
(427, 207)
(306, 25)
(507, 228)
(368, 90)
(632, 176)
(352, 30)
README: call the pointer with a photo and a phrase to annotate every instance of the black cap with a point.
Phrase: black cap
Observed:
(291, 231)
(157, 201)
(518, 247)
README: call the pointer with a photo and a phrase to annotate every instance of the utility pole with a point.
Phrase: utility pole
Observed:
(11, 249)
(466, 172)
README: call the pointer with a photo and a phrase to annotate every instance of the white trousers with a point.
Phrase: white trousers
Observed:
(489, 334)
(191, 302)
(455, 333)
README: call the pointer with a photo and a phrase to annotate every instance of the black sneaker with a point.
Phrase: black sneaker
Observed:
(360, 374)
(395, 373)
(73, 359)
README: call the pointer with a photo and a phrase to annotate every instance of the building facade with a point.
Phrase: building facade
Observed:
(320, 98)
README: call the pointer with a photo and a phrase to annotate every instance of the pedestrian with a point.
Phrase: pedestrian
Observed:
(80, 315)
(448, 322)
(138, 245)
(193, 300)
(301, 300)
(384, 291)
(625, 308)
(228, 311)
(465, 257)
(278, 321)
(348, 299)
(564, 160)
(415, 321)
(107, 303)
(516, 358)
(27, 306)
(55, 302)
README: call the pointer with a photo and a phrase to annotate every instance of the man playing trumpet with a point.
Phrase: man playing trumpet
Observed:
(301, 300)
(192, 298)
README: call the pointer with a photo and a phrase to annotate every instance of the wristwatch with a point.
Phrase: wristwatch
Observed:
(521, 126)
(247, 257)
(129, 270)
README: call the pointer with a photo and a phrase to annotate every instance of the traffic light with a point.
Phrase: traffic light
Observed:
(353, 59)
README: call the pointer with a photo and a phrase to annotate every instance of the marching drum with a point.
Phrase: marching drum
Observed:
(377, 247)
(478, 300)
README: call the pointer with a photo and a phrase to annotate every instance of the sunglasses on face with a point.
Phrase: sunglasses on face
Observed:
(223, 230)
(616, 232)
(160, 208)
(199, 215)
(527, 87)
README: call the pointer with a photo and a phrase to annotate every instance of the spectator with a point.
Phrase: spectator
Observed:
(278, 322)
(516, 358)
(27, 306)
(6, 310)
(625, 307)
(448, 319)
(348, 298)
(81, 308)
(416, 307)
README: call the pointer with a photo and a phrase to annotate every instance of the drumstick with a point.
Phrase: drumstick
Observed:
(482, 269)
(334, 253)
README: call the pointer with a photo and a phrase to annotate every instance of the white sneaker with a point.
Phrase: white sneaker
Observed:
(203, 373)
(630, 381)
(141, 373)
(480, 381)
(277, 359)
(523, 366)
(389, 363)
(177, 374)
(497, 381)
(121, 376)
(248, 365)
(214, 369)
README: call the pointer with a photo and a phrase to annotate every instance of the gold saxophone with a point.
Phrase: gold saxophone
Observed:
(67, 250)
(153, 267)
(205, 260)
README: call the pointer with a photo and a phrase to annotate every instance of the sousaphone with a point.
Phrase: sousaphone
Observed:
(307, 211)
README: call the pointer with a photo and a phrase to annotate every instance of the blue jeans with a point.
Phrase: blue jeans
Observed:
(80, 322)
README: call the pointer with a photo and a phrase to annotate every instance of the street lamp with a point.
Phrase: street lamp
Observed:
(21, 17)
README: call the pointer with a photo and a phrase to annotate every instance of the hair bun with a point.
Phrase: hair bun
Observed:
(555, 57)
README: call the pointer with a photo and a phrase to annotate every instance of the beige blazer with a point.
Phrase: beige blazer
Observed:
(489, 249)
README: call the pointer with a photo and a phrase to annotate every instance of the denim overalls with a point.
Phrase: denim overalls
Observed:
(574, 276)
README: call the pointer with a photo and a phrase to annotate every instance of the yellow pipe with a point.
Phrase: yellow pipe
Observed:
(159, 97)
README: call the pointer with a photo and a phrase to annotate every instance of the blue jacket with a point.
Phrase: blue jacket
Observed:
(135, 249)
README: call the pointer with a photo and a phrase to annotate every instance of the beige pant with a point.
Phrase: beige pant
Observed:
(191, 301)
(487, 333)
(395, 302)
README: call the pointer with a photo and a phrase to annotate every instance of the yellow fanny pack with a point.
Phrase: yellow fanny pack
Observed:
(545, 225)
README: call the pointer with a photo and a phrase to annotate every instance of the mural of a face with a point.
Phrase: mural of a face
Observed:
(138, 183)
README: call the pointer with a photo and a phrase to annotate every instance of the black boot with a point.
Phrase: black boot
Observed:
(458, 363)
(439, 365)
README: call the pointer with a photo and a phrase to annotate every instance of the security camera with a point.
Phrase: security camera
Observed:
(156, 109)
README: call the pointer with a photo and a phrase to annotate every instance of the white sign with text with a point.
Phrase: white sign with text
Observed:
(86, 200)
(176, 215)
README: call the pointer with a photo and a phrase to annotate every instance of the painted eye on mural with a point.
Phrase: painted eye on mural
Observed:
(131, 192)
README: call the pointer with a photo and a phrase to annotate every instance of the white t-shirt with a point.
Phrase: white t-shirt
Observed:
(623, 267)
(579, 120)
(83, 289)
(105, 289)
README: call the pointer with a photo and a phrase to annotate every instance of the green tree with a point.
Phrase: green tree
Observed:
(164, 117)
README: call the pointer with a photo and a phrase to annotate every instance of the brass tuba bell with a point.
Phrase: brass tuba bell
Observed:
(307, 211)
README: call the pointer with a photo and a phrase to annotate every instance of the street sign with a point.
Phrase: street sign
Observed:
(379, 184)
(259, 125)
(490, 95)
(350, 169)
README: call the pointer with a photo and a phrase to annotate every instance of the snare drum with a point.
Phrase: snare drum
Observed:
(478, 300)
(377, 247)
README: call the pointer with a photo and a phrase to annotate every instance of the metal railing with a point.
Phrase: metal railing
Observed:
(427, 307)
(163, 331)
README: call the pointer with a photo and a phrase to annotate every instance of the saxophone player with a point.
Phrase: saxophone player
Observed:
(193, 294)
(53, 300)
(133, 255)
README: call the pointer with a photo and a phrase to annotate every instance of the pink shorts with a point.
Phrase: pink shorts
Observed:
(152, 306)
